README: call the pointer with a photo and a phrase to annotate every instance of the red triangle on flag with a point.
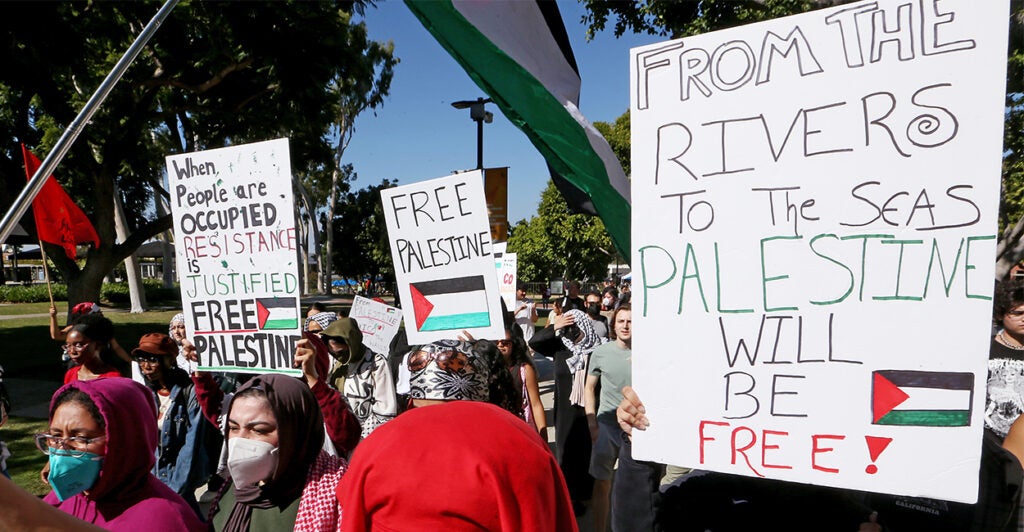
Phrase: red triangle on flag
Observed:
(420, 306)
(261, 313)
(885, 396)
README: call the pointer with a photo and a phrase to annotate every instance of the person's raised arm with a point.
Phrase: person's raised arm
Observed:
(56, 332)
(20, 510)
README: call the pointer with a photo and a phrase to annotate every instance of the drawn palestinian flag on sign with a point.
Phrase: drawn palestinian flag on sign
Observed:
(450, 304)
(921, 398)
(278, 313)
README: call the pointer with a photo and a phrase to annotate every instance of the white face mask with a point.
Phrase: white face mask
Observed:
(607, 301)
(250, 461)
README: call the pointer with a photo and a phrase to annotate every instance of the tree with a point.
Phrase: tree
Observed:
(555, 243)
(213, 75)
(354, 91)
(360, 224)
(682, 19)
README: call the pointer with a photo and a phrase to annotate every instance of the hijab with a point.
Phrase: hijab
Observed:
(457, 466)
(300, 430)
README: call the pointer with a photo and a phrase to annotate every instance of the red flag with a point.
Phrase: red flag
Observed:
(58, 219)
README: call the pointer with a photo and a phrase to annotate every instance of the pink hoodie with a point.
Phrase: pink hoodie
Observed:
(127, 496)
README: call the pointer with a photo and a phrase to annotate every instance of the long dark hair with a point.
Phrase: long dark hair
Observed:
(520, 352)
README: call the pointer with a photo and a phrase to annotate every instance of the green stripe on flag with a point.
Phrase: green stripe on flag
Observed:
(457, 321)
(927, 418)
(286, 323)
(533, 109)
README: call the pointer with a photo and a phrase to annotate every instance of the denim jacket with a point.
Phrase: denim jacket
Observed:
(182, 459)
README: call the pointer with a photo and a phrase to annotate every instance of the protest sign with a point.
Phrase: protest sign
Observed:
(505, 271)
(377, 321)
(441, 246)
(235, 245)
(814, 218)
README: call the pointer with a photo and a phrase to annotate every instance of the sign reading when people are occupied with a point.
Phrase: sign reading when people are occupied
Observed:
(441, 247)
(814, 229)
(235, 245)
(379, 322)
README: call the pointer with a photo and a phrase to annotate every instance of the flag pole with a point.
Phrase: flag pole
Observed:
(46, 274)
(29, 193)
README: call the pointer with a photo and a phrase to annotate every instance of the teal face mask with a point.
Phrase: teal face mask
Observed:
(71, 475)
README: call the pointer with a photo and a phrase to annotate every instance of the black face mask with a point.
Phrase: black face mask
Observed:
(593, 309)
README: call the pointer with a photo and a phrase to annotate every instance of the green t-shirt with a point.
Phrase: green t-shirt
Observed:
(611, 363)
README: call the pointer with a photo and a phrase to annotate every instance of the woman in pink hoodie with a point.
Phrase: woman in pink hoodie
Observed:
(101, 445)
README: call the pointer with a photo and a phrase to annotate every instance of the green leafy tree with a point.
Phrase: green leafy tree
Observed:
(555, 243)
(215, 74)
(617, 135)
(360, 225)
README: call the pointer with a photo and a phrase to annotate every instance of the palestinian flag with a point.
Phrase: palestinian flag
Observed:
(518, 52)
(921, 398)
(450, 304)
(278, 313)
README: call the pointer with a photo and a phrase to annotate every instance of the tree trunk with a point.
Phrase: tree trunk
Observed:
(166, 247)
(131, 263)
(307, 204)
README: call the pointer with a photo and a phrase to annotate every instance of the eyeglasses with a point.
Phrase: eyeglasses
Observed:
(147, 358)
(75, 446)
(448, 360)
(80, 346)
(503, 343)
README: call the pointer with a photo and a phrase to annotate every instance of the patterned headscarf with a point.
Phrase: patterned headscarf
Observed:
(322, 318)
(182, 362)
(580, 353)
(448, 370)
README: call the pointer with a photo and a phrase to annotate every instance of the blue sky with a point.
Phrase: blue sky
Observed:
(417, 135)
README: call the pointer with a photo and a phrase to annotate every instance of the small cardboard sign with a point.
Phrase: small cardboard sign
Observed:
(379, 322)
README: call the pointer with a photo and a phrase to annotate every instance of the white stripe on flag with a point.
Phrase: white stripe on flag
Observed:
(457, 303)
(935, 399)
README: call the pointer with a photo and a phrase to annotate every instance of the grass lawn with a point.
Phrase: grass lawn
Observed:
(26, 461)
(30, 353)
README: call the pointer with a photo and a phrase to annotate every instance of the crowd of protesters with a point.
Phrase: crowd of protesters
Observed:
(451, 434)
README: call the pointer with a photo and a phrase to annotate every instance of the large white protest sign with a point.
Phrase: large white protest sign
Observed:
(441, 246)
(814, 218)
(236, 255)
(379, 322)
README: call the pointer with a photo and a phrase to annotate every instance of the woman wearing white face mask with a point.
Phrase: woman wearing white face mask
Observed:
(280, 478)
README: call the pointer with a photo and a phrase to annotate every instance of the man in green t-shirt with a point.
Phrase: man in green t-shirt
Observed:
(609, 365)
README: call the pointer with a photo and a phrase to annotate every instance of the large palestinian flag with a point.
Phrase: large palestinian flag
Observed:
(518, 52)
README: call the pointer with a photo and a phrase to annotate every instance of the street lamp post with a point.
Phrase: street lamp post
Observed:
(479, 115)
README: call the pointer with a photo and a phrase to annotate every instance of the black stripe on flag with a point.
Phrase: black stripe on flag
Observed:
(451, 286)
(929, 379)
(278, 302)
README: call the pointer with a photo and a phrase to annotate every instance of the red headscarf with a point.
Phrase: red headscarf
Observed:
(462, 465)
